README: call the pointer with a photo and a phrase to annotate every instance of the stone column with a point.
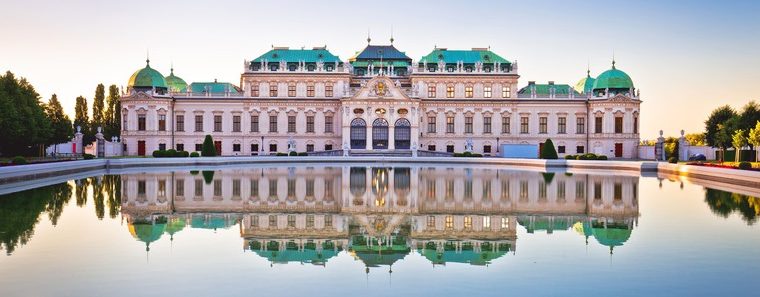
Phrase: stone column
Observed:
(78, 136)
(369, 136)
(683, 148)
(391, 137)
(659, 148)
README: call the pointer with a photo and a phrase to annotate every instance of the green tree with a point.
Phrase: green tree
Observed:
(724, 134)
(98, 107)
(754, 139)
(113, 113)
(60, 124)
(695, 138)
(739, 140)
(718, 117)
(25, 127)
(208, 149)
(548, 151)
(82, 119)
(750, 115)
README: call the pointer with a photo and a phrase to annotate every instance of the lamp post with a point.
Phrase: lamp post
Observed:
(497, 144)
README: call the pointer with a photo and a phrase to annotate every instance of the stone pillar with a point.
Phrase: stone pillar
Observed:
(391, 137)
(659, 148)
(78, 136)
(683, 148)
(369, 136)
(100, 144)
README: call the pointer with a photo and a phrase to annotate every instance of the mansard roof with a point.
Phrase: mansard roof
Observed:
(375, 52)
(467, 56)
(213, 87)
(545, 89)
(297, 55)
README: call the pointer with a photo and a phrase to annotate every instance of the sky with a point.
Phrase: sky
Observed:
(686, 57)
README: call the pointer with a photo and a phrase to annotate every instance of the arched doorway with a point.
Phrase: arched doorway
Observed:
(358, 134)
(380, 134)
(403, 134)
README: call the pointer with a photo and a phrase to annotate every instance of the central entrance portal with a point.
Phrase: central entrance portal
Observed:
(380, 134)
(358, 134)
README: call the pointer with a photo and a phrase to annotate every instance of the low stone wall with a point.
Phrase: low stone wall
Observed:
(36, 172)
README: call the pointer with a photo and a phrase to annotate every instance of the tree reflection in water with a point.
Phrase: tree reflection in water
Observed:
(725, 203)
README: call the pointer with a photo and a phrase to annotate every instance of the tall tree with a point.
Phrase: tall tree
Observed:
(98, 104)
(754, 139)
(60, 124)
(739, 141)
(750, 115)
(718, 117)
(82, 119)
(25, 128)
(113, 113)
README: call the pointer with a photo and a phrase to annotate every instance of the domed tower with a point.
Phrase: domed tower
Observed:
(175, 83)
(147, 79)
(586, 84)
(613, 82)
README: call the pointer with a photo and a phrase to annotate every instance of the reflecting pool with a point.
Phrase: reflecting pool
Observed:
(376, 230)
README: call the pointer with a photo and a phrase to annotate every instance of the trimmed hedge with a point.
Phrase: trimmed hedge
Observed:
(18, 160)
(195, 155)
(88, 156)
(468, 154)
(208, 149)
(745, 165)
(171, 154)
(589, 156)
(548, 152)
(281, 154)
(303, 154)
(292, 154)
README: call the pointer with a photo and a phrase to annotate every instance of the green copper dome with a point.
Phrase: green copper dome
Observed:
(613, 79)
(586, 84)
(147, 78)
(175, 83)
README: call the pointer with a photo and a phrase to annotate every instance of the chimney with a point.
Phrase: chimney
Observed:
(215, 80)
(551, 82)
(530, 83)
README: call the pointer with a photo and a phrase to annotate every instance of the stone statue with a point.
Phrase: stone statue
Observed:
(320, 65)
(468, 145)
(414, 149)
(283, 65)
(291, 144)
(346, 147)
(397, 83)
(415, 90)
(441, 66)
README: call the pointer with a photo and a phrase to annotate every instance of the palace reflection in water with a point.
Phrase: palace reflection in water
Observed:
(379, 215)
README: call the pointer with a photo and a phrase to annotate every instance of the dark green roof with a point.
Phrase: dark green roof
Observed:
(376, 52)
(613, 79)
(586, 84)
(543, 89)
(212, 222)
(175, 83)
(147, 78)
(214, 87)
(467, 56)
(297, 55)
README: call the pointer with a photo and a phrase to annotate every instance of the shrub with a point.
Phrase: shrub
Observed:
(171, 153)
(208, 149)
(184, 154)
(457, 155)
(672, 160)
(745, 165)
(281, 154)
(292, 154)
(571, 157)
(208, 176)
(88, 156)
(548, 151)
(602, 157)
(194, 172)
(303, 154)
(158, 154)
(467, 154)
(477, 155)
(581, 157)
(194, 155)
(18, 160)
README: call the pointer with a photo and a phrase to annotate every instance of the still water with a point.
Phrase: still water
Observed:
(376, 231)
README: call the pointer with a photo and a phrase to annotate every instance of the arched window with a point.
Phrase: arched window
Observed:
(358, 134)
(380, 134)
(402, 134)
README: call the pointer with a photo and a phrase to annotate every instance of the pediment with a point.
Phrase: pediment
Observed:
(381, 87)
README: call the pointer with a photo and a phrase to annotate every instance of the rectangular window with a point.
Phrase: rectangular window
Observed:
(468, 125)
(468, 222)
(579, 149)
(486, 222)
(235, 147)
(450, 92)
(431, 147)
(328, 147)
(431, 91)
(562, 125)
(255, 123)
(580, 125)
(450, 148)
(291, 124)
(180, 147)
(273, 148)
(580, 190)
(236, 123)
(487, 92)
(254, 221)
(328, 90)
(431, 222)
(272, 188)
(162, 146)
(291, 90)
(524, 125)
(124, 122)
(272, 221)
(450, 124)
(505, 125)
(635, 125)
(328, 124)
(180, 123)
(487, 149)
(309, 91)
(310, 221)
(542, 125)
(255, 90)
(310, 147)
(597, 190)
(217, 123)
(309, 124)
(487, 125)
(217, 188)
(236, 188)
(598, 125)
(328, 221)
(199, 123)
(198, 147)
(504, 223)
(180, 187)
(449, 222)
(198, 187)
(254, 148)
(273, 124)
(254, 188)
(141, 122)
(618, 125)
(468, 92)
(561, 149)
(272, 90)
(162, 122)
(431, 125)
(506, 92)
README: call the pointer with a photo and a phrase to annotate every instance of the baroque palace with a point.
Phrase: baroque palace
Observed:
(380, 101)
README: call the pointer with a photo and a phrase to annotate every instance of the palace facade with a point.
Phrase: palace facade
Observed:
(380, 101)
